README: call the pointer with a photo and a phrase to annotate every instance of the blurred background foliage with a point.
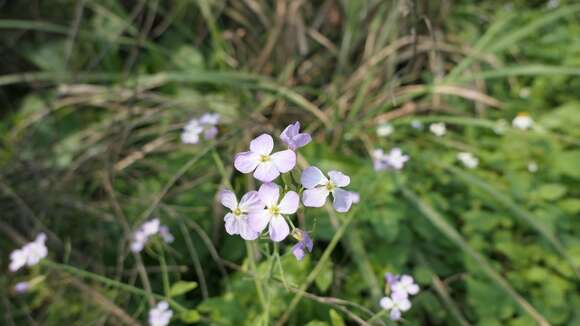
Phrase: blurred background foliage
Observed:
(94, 95)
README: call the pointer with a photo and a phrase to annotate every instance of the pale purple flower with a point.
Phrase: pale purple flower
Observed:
(210, 133)
(191, 132)
(269, 194)
(206, 124)
(304, 244)
(22, 287)
(405, 286)
(394, 160)
(147, 230)
(318, 187)
(391, 279)
(266, 166)
(30, 254)
(355, 197)
(237, 220)
(292, 137)
(210, 119)
(396, 304)
(160, 315)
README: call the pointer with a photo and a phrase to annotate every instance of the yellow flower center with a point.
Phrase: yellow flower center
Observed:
(237, 212)
(274, 210)
(330, 186)
(264, 158)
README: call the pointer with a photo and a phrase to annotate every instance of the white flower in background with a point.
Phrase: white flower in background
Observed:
(206, 124)
(416, 124)
(525, 92)
(397, 303)
(29, 255)
(500, 126)
(438, 129)
(469, 160)
(533, 167)
(405, 285)
(552, 4)
(148, 230)
(160, 315)
(523, 121)
(385, 130)
(394, 160)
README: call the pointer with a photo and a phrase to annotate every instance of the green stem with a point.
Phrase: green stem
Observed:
(257, 279)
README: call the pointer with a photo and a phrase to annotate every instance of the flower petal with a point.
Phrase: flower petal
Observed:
(290, 131)
(386, 303)
(246, 162)
(258, 220)
(302, 140)
(262, 144)
(413, 289)
(266, 172)
(342, 200)
(246, 231)
(298, 251)
(228, 199)
(315, 197)
(269, 193)
(404, 304)
(289, 204)
(232, 225)
(312, 177)
(284, 160)
(395, 314)
(340, 179)
(251, 202)
(279, 229)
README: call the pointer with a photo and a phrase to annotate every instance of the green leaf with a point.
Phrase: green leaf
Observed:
(190, 316)
(181, 288)
(552, 191)
(567, 163)
(336, 318)
(324, 279)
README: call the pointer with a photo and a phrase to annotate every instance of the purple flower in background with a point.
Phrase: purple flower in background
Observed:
(269, 194)
(267, 166)
(237, 220)
(160, 315)
(405, 286)
(396, 303)
(30, 254)
(206, 124)
(147, 230)
(391, 279)
(21, 287)
(318, 187)
(210, 119)
(191, 131)
(394, 160)
(292, 137)
(304, 244)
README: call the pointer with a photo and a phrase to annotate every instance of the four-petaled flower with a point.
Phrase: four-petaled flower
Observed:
(160, 315)
(267, 166)
(292, 137)
(269, 194)
(30, 254)
(206, 124)
(318, 187)
(304, 244)
(405, 285)
(396, 303)
(237, 220)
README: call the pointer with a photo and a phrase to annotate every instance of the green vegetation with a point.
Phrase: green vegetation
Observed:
(95, 95)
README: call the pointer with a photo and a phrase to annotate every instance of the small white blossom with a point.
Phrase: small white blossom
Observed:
(205, 125)
(533, 167)
(147, 230)
(523, 121)
(468, 160)
(396, 304)
(160, 315)
(405, 286)
(385, 130)
(525, 92)
(29, 255)
(438, 129)
(394, 160)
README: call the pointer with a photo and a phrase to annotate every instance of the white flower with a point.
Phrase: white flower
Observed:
(523, 121)
(394, 160)
(147, 230)
(191, 132)
(438, 129)
(211, 119)
(30, 254)
(405, 285)
(385, 130)
(533, 167)
(206, 124)
(397, 303)
(160, 315)
(468, 159)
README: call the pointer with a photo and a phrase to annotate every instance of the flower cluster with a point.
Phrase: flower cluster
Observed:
(29, 255)
(270, 207)
(148, 230)
(206, 124)
(469, 160)
(160, 315)
(394, 160)
(398, 290)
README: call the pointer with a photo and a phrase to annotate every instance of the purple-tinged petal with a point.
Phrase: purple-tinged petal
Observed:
(266, 172)
(246, 231)
(302, 140)
(355, 197)
(312, 177)
(386, 303)
(279, 229)
(246, 162)
(289, 204)
(228, 199)
(340, 179)
(298, 251)
(290, 131)
(262, 144)
(315, 197)
(258, 220)
(284, 160)
(395, 314)
(188, 137)
(307, 241)
(413, 289)
(251, 202)
(210, 133)
(269, 194)
(232, 224)
(342, 200)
